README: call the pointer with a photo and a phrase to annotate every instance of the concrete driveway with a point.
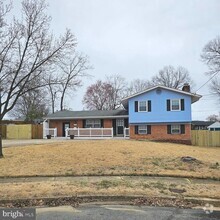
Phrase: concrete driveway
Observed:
(13, 143)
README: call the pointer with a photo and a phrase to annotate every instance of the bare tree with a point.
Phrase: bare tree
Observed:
(26, 48)
(213, 118)
(73, 68)
(106, 95)
(215, 86)
(211, 56)
(32, 105)
(118, 85)
(97, 95)
(136, 86)
(53, 87)
(171, 77)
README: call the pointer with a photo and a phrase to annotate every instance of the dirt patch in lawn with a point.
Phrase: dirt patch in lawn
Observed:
(110, 157)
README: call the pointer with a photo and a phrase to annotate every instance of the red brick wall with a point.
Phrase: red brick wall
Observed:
(59, 125)
(107, 123)
(159, 133)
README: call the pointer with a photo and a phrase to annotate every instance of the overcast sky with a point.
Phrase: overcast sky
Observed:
(137, 38)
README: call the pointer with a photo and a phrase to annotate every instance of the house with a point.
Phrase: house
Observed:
(215, 126)
(116, 119)
(201, 125)
(158, 113)
(161, 113)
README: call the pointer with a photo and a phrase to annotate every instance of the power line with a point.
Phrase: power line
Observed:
(214, 93)
(207, 82)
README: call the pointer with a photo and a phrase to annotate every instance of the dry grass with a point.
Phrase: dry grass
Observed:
(104, 157)
(109, 187)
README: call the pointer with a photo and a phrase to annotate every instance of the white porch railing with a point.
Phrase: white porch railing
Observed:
(126, 132)
(50, 131)
(90, 132)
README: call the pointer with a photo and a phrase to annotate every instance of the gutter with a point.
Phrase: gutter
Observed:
(88, 117)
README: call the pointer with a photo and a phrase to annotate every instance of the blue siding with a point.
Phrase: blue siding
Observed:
(159, 113)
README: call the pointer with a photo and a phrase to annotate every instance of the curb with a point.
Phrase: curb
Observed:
(99, 199)
(113, 175)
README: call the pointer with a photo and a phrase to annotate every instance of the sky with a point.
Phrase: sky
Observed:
(137, 38)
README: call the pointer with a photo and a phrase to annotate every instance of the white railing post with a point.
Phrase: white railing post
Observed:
(112, 132)
(66, 132)
(55, 132)
(102, 132)
(78, 132)
(90, 131)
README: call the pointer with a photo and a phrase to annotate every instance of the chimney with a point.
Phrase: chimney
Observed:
(186, 87)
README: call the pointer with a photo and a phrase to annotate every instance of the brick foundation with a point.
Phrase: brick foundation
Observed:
(159, 133)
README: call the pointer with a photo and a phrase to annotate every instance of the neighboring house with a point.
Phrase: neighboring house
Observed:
(214, 127)
(159, 113)
(201, 125)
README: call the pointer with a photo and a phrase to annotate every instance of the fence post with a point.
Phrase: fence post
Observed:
(67, 129)
(90, 131)
(55, 132)
(112, 132)
(78, 132)
(102, 132)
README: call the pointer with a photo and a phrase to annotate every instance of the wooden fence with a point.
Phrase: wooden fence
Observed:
(37, 131)
(206, 138)
(3, 131)
(24, 131)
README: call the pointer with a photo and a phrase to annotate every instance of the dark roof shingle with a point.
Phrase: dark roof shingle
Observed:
(87, 114)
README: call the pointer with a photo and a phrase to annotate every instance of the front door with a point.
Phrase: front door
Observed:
(119, 127)
(65, 126)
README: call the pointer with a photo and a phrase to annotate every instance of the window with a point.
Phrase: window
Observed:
(93, 123)
(175, 104)
(175, 129)
(142, 129)
(142, 106)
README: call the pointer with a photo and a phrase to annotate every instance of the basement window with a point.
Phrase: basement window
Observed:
(175, 129)
(142, 129)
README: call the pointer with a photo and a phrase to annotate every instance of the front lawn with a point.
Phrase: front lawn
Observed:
(110, 157)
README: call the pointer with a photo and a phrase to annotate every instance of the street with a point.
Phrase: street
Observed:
(123, 212)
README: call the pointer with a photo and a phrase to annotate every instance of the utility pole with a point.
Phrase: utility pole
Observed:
(1, 153)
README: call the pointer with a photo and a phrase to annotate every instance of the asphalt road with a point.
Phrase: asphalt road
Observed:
(123, 212)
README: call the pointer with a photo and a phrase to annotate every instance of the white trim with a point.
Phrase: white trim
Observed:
(90, 132)
(126, 132)
(142, 129)
(175, 110)
(146, 105)
(178, 126)
(163, 87)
